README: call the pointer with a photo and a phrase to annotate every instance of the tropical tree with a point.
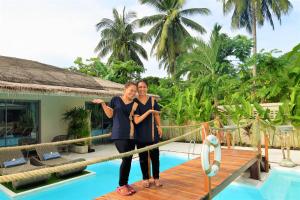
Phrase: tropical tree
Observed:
(169, 29)
(92, 67)
(117, 71)
(250, 13)
(206, 64)
(119, 39)
(122, 72)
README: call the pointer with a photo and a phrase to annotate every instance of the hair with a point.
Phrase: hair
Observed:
(142, 81)
(128, 84)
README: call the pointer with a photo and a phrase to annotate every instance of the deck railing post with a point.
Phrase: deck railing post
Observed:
(228, 139)
(255, 172)
(149, 164)
(266, 140)
(207, 180)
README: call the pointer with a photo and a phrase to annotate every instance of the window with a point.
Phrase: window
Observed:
(19, 122)
(100, 123)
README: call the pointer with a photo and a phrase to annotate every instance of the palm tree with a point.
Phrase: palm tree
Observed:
(119, 39)
(250, 13)
(169, 29)
(202, 66)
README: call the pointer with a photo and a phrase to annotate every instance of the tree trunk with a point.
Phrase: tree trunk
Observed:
(254, 36)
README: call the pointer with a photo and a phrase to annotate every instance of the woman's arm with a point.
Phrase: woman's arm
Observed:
(107, 110)
(138, 119)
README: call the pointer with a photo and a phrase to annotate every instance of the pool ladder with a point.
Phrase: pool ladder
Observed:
(192, 142)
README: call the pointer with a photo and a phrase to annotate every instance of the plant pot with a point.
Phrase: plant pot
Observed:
(80, 148)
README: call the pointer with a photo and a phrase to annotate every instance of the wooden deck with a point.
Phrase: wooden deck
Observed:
(186, 181)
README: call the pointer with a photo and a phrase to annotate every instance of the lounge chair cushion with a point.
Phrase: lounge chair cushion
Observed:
(51, 155)
(14, 162)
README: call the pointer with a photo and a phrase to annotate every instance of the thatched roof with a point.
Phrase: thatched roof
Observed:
(26, 75)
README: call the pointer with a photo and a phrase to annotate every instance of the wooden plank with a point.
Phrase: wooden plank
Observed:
(186, 181)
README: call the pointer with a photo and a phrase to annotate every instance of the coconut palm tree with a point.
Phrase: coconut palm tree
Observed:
(169, 29)
(119, 39)
(250, 13)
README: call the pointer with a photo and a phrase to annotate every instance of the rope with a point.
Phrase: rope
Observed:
(70, 166)
(55, 143)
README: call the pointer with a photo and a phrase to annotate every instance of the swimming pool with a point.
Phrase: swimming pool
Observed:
(280, 185)
(103, 181)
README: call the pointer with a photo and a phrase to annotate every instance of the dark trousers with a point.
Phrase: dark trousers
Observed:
(154, 156)
(124, 146)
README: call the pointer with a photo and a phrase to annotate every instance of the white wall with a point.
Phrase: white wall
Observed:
(51, 110)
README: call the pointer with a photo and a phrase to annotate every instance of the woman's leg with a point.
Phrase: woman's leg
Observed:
(124, 146)
(143, 161)
(154, 154)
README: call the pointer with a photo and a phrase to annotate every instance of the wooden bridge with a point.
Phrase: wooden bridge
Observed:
(188, 181)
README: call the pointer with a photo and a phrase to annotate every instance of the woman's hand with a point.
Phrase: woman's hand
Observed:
(151, 111)
(98, 101)
(160, 132)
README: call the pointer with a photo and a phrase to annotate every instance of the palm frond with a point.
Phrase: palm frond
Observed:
(193, 25)
(193, 11)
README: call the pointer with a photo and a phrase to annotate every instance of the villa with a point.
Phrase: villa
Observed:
(34, 96)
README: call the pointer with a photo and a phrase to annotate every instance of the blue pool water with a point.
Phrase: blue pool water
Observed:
(105, 180)
(280, 185)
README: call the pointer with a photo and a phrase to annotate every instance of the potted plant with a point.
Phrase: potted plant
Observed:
(79, 127)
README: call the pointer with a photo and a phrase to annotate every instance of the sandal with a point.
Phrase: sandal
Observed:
(157, 183)
(146, 183)
(123, 191)
(131, 189)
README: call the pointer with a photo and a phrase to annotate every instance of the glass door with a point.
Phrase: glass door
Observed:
(2, 124)
(19, 122)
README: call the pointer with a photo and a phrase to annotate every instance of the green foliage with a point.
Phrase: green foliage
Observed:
(208, 86)
(117, 71)
(294, 65)
(295, 106)
(123, 72)
(92, 67)
(78, 119)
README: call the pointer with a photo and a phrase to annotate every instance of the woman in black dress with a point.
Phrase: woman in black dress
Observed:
(121, 110)
(148, 132)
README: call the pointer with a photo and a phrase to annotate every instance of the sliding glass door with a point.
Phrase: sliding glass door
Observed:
(100, 123)
(19, 122)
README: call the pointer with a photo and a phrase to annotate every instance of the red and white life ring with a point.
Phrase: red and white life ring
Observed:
(211, 170)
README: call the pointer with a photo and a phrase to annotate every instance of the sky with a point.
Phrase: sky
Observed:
(55, 32)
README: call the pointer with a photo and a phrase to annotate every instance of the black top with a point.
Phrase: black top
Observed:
(121, 122)
(143, 130)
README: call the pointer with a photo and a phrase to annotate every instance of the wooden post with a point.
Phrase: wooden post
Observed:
(207, 181)
(255, 169)
(219, 132)
(149, 164)
(205, 130)
(266, 138)
(228, 139)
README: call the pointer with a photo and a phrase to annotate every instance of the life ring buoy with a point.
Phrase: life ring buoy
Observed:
(211, 170)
